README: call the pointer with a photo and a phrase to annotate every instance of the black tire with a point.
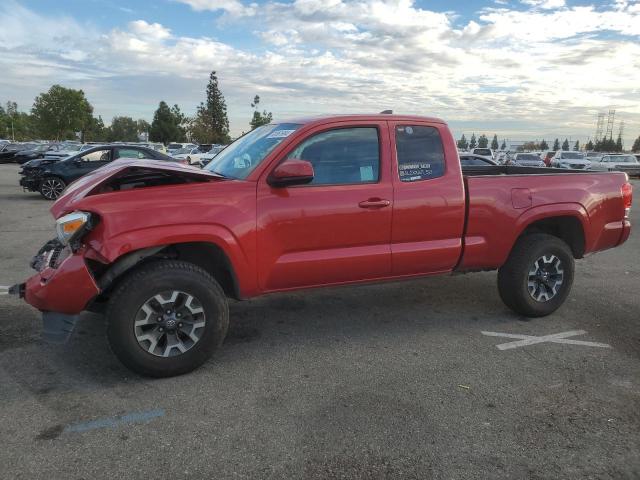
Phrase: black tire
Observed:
(140, 286)
(515, 275)
(51, 187)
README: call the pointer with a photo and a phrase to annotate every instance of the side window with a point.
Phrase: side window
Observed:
(131, 153)
(342, 156)
(420, 153)
(97, 156)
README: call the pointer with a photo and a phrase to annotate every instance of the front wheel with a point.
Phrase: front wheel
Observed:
(52, 187)
(167, 318)
(537, 277)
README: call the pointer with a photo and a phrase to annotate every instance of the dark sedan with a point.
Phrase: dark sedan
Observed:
(51, 176)
(31, 153)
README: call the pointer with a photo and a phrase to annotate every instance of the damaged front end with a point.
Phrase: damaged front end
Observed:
(71, 273)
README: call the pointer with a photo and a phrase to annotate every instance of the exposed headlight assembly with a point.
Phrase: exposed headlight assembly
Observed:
(72, 226)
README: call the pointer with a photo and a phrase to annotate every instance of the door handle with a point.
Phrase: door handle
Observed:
(374, 203)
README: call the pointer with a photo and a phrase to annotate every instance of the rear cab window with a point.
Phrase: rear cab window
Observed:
(419, 153)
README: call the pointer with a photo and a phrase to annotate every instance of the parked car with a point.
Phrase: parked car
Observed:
(8, 151)
(34, 151)
(308, 203)
(528, 160)
(546, 156)
(483, 152)
(64, 150)
(593, 156)
(621, 162)
(173, 147)
(205, 158)
(470, 159)
(189, 155)
(570, 159)
(51, 176)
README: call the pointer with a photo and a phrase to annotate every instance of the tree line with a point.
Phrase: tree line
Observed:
(64, 114)
(604, 145)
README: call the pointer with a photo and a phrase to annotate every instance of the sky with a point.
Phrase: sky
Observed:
(524, 69)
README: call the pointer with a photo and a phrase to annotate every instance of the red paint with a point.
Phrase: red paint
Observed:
(314, 235)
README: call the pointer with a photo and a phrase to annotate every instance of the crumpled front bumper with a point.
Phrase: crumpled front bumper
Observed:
(61, 289)
(30, 183)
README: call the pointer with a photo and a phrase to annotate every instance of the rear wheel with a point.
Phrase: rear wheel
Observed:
(537, 277)
(167, 318)
(52, 187)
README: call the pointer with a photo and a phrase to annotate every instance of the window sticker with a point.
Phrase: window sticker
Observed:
(366, 174)
(280, 133)
(414, 171)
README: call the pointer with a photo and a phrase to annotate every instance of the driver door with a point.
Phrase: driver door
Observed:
(336, 229)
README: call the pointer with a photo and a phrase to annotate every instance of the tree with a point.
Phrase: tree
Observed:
(576, 147)
(61, 112)
(14, 124)
(211, 124)
(463, 144)
(123, 129)
(565, 144)
(143, 126)
(544, 145)
(95, 131)
(167, 125)
(483, 141)
(504, 145)
(259, 119)
(636, 145)
(589, 146)
(556, 145)
(473, 143)
(619, 145)
(494, 142)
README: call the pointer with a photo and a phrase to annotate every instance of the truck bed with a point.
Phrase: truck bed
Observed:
(504, 200)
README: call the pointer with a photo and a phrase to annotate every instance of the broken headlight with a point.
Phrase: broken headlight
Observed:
(72, 226)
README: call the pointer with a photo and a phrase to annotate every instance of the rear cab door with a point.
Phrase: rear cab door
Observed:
(428, 198)
(336, 229)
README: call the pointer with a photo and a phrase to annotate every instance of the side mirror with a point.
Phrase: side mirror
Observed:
(291, 172)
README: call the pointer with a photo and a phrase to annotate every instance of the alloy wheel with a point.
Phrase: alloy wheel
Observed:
(545, 278)
(51, 188)
(169, 323)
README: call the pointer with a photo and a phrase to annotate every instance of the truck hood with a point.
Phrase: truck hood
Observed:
(124, 173)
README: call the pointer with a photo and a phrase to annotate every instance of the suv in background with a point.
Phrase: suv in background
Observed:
(483, 152)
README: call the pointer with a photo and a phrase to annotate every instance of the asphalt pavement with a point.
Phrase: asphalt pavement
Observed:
(403, 380)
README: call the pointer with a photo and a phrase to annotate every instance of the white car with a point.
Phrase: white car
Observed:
(174, 147)
(571, 160)
(191, 155)
(527, 160)
(622, 163)
(483, 152)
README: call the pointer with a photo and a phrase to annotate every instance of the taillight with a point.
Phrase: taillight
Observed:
(627, 198)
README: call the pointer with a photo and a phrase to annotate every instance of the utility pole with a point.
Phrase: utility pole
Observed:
(13, 133)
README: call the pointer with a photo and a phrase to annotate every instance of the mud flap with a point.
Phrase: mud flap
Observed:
(57, 327)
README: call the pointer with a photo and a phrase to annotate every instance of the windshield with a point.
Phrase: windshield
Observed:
(174, 146)
(624, 159)
(528, 156)
(573, 155)
(182, 150)
(240, 158)
(482, 151)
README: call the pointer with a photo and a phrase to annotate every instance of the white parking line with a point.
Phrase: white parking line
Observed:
(4, 290)
(553, 338)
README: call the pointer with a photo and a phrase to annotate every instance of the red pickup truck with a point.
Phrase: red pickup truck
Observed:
(308, 203)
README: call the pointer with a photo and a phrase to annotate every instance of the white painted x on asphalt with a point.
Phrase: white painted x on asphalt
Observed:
(553, 338)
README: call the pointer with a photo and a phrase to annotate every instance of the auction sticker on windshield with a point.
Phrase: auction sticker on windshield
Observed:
(280, 133)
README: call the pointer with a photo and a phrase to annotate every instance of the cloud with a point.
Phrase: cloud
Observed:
(538, 71)
(231, 7)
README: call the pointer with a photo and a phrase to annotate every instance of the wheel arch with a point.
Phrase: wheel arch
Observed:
(568, 226)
